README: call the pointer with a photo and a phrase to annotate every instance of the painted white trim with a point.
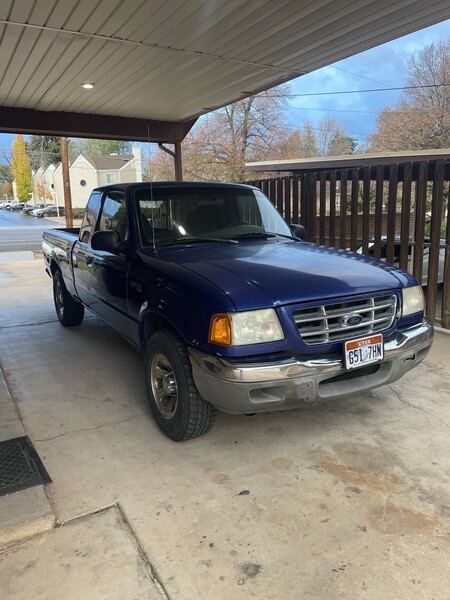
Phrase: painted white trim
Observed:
(81, 157)
(48, 168)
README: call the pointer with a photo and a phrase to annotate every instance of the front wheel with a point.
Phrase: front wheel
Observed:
(178, 409)
(69, 312)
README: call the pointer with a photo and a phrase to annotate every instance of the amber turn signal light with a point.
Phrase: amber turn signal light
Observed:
(220, 332)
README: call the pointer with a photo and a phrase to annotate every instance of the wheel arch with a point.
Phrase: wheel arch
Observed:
(153, 322)
(54, 266)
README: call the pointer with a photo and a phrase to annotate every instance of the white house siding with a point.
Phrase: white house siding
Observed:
(103, 177)
(84, 176)
(131, 172)
(37, 176)
(43, 176)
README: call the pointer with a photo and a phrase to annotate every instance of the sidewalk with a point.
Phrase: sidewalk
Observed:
(346, 499)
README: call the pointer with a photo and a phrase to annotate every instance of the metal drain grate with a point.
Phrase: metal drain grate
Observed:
(20, 466)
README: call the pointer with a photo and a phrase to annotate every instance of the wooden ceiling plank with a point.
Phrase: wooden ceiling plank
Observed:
(17, 66)
(5, 9)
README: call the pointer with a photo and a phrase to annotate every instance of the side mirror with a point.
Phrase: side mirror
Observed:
(108, 241)
(298, 230)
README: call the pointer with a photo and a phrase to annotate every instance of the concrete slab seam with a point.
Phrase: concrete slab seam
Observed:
(75, 431)
(153, 574)
(36, 324)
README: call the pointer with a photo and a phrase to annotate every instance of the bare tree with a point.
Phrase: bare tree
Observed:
(327, 138)
(421, 119)
(219, 145)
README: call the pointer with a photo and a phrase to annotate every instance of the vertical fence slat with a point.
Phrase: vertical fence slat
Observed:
(295, 206)
(271, 191)
(379, 188)
(343, 210)
(366, 210)
(332, 226)
(420, 208)
(307, 202)
(322, 206)
(354, 210)
(303, 195)
(435, 235)
(446, 294)
(406, 210)
(392, 209)
(265, 187)
(312, 205)
(279, 194)
(287, 199)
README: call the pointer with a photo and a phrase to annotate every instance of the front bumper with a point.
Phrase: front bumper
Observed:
(248, 388)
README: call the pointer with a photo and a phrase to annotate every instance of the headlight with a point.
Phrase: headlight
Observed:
(242, 328)
(412, 300)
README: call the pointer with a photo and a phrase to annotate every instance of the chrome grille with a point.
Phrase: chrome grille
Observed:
(329, 323)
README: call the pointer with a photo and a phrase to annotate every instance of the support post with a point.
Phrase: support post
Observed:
(178, 162)
(176, 159)
(66, 182)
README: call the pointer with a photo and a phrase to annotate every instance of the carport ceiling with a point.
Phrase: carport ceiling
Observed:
(157, 65)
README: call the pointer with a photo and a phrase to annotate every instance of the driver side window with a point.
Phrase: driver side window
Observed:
(114, 215)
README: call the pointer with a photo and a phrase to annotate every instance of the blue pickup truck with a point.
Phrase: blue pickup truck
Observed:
(233, 310)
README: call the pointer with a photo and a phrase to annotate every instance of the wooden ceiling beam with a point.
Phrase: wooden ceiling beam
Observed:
(28, 121)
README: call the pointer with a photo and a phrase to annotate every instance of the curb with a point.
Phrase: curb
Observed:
(28, 512)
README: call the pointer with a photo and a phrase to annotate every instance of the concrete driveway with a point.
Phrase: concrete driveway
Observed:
(347, 499)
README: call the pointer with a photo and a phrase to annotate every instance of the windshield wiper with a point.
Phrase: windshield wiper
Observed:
(194, 240)
(264, 235)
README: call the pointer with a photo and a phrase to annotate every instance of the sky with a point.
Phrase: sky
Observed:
(383, 66)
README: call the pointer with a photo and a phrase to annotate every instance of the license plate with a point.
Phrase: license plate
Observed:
(359, 353)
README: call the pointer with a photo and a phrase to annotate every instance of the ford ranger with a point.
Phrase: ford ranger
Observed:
(232, 309)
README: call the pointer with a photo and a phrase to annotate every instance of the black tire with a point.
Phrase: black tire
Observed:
(43, 215)
(178, 409)
(69, 312)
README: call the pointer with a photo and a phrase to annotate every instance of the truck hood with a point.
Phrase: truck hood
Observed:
(259, 274)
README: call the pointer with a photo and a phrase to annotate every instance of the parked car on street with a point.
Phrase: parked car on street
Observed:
(16, 206)
(27, 209)
(426, 256)
(5, 205)
(48, 211)
(232, 310)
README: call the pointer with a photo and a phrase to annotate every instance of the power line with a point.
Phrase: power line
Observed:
(358, 75)
(388, 89)
(366, 112)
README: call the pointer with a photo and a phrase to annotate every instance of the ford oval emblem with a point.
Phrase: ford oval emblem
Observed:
(351, 320)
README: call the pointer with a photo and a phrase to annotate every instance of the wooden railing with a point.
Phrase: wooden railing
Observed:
(397, 212)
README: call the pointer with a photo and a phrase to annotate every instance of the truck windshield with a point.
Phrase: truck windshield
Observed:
(173, 213)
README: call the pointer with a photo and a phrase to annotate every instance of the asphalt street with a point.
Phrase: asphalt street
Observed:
(21, 232)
